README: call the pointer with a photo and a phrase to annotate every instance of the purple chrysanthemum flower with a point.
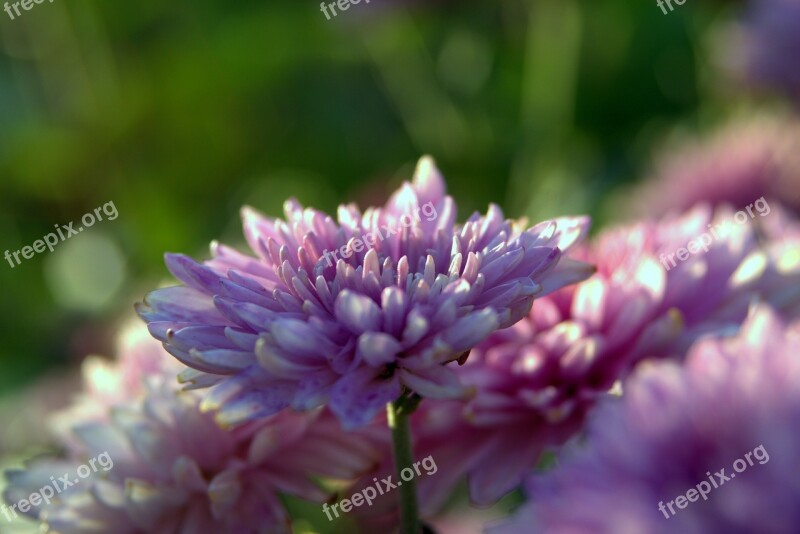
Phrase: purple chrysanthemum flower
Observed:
(536, 382)
(349, 313)
(738, 165)
(652, 459)
(764, 46)
(169, 468)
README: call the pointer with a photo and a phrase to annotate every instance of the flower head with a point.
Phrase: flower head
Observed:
(741, 163)
(735, 406)
(351, 312)
(169, 468)
(107, 383)
(536, 382)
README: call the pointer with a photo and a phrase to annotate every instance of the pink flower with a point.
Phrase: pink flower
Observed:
(174, 469)
(737, 165)
(734, 407)
(536, 382)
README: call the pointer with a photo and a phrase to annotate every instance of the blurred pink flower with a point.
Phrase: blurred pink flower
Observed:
(537, 381)
(672, 428)
(174, 469)
(737, 165)
(110, 382)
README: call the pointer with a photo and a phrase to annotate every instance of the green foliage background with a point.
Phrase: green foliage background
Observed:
(180, 112)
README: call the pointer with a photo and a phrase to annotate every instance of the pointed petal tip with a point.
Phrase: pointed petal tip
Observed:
(141, 308)
(247, 211)
(173, 256)
(427, 177)
(426, 163)
(208, 405)
(223, 423)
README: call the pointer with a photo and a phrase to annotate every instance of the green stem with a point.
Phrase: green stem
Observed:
(398, 412)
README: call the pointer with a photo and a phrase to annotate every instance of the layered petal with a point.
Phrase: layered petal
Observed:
(349, 312)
